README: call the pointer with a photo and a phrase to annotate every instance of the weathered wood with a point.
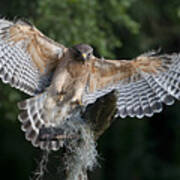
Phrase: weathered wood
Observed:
(100, 115)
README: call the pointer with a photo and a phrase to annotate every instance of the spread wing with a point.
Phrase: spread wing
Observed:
(141, 85)
(27, 57)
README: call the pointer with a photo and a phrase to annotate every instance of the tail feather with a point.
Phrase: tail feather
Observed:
(32, 121)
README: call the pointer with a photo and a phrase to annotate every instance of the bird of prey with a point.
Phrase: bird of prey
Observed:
(60, 79)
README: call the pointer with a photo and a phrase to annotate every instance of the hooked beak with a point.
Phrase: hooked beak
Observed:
(84, 55)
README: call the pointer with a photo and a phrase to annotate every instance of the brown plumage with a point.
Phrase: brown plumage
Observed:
(63, 80)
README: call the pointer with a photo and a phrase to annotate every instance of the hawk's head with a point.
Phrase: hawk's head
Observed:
(82, 51)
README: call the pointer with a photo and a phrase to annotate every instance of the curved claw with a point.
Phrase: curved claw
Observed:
(77, 102)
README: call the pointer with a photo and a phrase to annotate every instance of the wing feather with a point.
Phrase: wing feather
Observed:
(141, 85)
(27, 57)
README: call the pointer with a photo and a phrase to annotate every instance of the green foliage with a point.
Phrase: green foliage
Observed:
(75, 21)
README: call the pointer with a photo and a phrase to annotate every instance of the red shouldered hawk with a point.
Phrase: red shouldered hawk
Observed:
(61, 79)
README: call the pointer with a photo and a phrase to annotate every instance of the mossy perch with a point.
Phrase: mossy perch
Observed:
(80, 154)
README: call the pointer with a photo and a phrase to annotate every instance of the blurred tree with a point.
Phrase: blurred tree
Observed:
(132, 149)
(74, 21)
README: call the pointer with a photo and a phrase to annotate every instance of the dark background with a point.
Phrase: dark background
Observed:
(132, 149)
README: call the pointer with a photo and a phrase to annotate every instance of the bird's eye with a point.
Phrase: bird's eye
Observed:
(88, 55)
(78, 52)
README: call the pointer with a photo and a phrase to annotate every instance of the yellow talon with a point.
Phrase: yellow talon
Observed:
(77, 102)
(80, 102)
(61, 97)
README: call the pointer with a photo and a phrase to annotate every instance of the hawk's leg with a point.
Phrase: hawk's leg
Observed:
(77, 97)
(77, 102)
(61, 95)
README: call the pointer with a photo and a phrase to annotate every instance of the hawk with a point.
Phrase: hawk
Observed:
(61, 79)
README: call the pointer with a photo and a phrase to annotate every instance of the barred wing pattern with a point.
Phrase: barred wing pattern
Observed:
(141, 85)
(27, 57)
